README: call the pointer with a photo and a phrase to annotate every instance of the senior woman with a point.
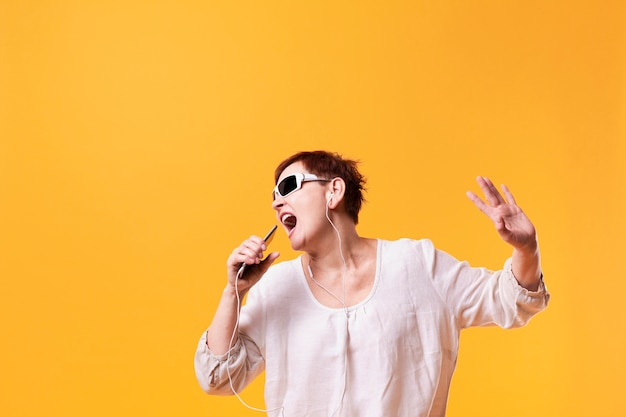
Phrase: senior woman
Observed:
(356, 326)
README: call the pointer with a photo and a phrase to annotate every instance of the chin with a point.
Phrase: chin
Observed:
(296, 244)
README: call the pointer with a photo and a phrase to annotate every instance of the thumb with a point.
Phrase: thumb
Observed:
(268, 261)
(499, 222)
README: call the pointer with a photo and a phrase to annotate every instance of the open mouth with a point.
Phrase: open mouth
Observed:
(289, 221)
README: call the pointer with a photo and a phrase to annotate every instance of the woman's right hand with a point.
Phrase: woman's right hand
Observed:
(250, 253)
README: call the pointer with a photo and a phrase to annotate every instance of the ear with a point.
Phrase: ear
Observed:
(336, 192)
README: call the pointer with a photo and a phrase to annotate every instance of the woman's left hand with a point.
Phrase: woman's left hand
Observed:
(514, 227)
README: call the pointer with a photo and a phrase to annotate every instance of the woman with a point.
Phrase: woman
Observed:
(357, 326)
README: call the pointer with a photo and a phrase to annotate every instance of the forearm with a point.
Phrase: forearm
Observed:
(222, 333)
(526, 266)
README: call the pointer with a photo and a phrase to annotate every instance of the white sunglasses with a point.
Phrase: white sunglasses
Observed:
(292, 183)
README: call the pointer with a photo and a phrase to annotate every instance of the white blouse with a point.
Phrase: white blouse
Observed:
(393, 354)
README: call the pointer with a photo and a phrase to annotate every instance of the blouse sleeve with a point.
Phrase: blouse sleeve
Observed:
(481, 297)
(220, 374)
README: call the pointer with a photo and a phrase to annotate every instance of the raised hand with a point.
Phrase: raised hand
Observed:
(514, 227)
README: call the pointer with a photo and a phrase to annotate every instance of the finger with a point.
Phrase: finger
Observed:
(478, 202)
(257, 271)
(491, 192)
(244, 255)
(508, 194)
(254, 246)
(252, 255)
(255, 242)
(487, 191)
(500, 224)
(504, 232)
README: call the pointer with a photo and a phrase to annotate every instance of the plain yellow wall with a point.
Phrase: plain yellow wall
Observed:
(138, 141)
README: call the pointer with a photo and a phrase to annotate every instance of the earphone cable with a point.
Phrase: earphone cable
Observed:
(230, 347)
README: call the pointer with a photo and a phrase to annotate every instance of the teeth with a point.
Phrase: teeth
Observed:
(288, 220)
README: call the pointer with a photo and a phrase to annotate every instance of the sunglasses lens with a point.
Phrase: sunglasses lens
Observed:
(287, 185)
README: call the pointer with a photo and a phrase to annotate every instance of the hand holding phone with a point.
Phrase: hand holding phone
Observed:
(268, 239)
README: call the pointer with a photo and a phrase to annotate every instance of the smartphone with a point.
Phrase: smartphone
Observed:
(268, 239)
(270, 235)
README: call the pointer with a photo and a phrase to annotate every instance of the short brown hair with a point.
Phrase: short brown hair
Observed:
(330, 165)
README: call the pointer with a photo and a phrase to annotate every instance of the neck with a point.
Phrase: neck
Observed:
(340, 249)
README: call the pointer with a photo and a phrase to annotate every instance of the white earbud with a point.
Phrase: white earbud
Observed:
(330, 197)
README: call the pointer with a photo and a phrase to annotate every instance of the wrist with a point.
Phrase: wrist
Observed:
(229, 291)
(529, 248)
(233, 293)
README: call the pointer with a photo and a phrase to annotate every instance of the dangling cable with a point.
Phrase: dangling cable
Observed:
(342, 301)
(230, 346)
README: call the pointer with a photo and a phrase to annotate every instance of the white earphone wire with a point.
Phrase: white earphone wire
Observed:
(343, 303)
(230, 347)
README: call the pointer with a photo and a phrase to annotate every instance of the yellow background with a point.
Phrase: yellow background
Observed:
(138, 141)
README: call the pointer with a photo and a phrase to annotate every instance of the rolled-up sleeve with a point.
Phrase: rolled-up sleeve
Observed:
(220, 374)
(496, 298)
(524, 303)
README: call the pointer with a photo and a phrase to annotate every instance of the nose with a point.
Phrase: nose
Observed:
(278, 202)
